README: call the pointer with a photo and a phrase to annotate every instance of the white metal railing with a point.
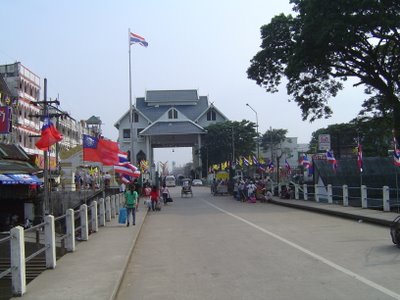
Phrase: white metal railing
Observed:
(88, 219)
(383, 198)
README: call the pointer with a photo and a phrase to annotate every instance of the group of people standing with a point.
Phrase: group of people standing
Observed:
(249, 190)
(153, 199)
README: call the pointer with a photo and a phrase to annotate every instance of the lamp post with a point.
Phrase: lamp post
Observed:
(258, 144)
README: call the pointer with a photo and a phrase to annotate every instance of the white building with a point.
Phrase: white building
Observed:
(25, 88)
(166, 118)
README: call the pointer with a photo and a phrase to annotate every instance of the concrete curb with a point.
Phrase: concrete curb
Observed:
(128, 257)
(327, 210)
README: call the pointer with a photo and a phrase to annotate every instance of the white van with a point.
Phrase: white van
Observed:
(170, 180)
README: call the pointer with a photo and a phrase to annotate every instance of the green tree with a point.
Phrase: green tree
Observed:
(272, 138)
(272, 141)
(327, 42)
(228, 139)
(372, 134)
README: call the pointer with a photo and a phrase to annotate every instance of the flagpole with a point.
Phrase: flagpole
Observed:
(132, 156)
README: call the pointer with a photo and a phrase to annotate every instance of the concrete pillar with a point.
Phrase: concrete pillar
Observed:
(386, 198)
(345, 195)
(50, 241)
(102, 215)
(364, 202)
(296, 191)
(330, 194)
(305, 192)
(108, 209)
(94, 218)
(70, 234)
(316, 196)
(84, 222)
(113, 213)
(117, 204)
(18, 276)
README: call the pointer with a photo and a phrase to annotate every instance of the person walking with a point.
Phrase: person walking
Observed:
(165, 193)
(154, 197)
(131, 197)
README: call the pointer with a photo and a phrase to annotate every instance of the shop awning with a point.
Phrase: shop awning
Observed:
(19, 179)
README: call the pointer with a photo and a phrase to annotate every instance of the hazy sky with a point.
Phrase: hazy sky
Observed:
(81, 47)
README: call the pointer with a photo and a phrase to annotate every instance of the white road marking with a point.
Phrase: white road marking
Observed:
(314, 255)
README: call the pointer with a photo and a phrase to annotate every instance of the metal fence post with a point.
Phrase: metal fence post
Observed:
(296, 191)
(18, 276)
(316, 196)
(102, 216)
(94, 219)
(70, 224)
(50, 241)
(84, 222)
(330, 194)
(108, 209)
(305, 193)
(345, 195)
(386, 198)
(364, 202)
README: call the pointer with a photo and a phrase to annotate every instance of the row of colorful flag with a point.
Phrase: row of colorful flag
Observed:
(250, 160)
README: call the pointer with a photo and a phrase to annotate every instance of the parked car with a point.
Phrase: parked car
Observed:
(197, 182)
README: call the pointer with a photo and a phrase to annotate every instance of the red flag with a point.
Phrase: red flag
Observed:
(100, 150)
(49, 135)
(108, 151)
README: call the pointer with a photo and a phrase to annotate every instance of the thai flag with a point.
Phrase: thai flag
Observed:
(396, 153)
(288, 168)
(270, 167)
(124, 167)
(330, 158)
(304, 161)
(246, 162)
(255, 160)
(137, 39)
(396, 157)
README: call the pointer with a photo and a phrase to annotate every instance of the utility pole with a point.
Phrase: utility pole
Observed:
(258, 142)
(45, 113)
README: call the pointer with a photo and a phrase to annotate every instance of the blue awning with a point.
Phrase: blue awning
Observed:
(19, 179)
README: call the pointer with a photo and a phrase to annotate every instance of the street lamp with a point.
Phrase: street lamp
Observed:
(258, 144)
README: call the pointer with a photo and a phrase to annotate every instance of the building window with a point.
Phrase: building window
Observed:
(172, 114)
(136, 117)
(138, 131)
(126, 133)
(211, 115)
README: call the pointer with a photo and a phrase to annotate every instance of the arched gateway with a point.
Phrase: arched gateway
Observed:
(167, 118)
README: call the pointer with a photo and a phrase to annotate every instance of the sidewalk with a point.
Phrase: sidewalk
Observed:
(94, 270)
(357, 213)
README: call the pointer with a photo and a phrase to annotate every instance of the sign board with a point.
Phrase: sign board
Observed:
(324, 142)
(5, 119)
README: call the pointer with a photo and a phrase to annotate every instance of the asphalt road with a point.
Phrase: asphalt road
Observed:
(209, 247)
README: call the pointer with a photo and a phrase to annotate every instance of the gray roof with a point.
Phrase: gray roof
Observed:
(153, 110)
(177, 96)
(176, 127)
(94, 120)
